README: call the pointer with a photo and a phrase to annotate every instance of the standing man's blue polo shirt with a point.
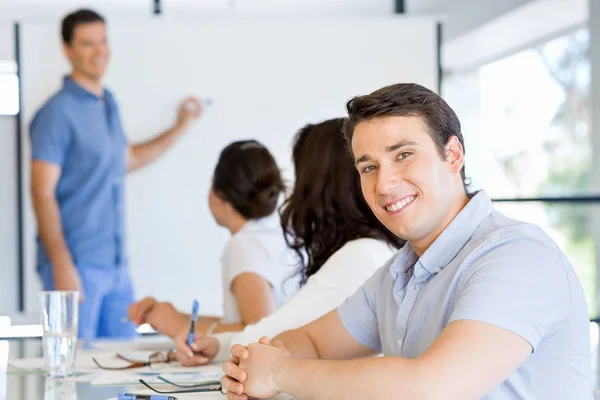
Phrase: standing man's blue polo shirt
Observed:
(489, 268)
(82, 134)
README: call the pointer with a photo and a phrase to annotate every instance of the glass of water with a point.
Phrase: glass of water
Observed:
(60, 389)
(60, 314)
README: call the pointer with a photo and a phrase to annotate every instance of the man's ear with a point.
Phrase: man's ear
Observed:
(67, 51)
(455, 155)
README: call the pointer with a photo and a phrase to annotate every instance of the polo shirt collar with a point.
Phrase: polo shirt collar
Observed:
(450, 242)
(73, 87)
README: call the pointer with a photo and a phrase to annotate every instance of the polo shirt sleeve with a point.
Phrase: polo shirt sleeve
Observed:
(50, 136)
(520, 285)
(358, 313)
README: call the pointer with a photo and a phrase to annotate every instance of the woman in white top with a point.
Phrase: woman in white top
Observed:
(256, 260)
(331, 228)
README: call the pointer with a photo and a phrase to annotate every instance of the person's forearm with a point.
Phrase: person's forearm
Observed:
(47, 215)
(170, 324)
(233, 327)
(204, 323)
(365, 378)
(298, 342)
(142, 154)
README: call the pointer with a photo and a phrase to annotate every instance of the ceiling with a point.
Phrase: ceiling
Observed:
(459, 16)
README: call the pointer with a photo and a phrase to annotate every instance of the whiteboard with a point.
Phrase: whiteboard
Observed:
(266, 79)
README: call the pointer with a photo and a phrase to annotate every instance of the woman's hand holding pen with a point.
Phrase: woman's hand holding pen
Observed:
(202, 351)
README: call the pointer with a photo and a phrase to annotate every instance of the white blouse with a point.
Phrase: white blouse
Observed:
(260, 248)
(339, 277)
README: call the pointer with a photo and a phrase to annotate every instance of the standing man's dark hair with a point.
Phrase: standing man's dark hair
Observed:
(408, 99)
(76, 18)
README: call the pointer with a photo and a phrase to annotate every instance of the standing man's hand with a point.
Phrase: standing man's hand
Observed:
(66, 277)
(189, 110)
(142, 154)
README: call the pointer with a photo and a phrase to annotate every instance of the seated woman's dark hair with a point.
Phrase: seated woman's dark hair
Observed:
(326, 209)
(248, 178)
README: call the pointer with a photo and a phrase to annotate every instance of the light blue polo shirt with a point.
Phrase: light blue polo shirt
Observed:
(489, 268)
(82, 134)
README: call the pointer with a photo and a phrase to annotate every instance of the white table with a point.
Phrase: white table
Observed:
(30, 385)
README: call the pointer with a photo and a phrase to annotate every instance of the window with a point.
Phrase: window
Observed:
(527, 125)
(535, 116)
(526, 121)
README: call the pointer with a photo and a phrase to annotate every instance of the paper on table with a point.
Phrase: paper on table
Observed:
(110, 359)
(206, 396)
(156, 343)
(137, 349)
(125, 378)
(83, 364)
(83, 361)
(85, 377)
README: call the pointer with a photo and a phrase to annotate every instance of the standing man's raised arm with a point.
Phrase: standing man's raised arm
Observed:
(142, 154)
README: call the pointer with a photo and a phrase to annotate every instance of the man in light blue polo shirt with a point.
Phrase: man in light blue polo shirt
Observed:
(476, 305)
(79, 159)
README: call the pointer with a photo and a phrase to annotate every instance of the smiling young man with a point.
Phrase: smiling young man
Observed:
(79, 159)
(476, 305)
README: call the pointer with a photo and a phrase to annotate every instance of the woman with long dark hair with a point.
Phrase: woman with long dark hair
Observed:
(338, 241)
(244, 192)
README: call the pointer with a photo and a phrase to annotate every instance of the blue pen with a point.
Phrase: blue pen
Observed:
(193, 322)
(133, 396)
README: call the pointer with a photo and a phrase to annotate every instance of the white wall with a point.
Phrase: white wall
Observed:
(8, 192)
(7, 40)
(8, 216)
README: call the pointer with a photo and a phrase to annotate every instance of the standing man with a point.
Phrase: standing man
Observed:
(475, 306)
(79, 159)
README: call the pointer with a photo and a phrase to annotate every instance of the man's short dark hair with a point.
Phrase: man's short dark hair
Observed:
(408, 99)
(76, 18)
